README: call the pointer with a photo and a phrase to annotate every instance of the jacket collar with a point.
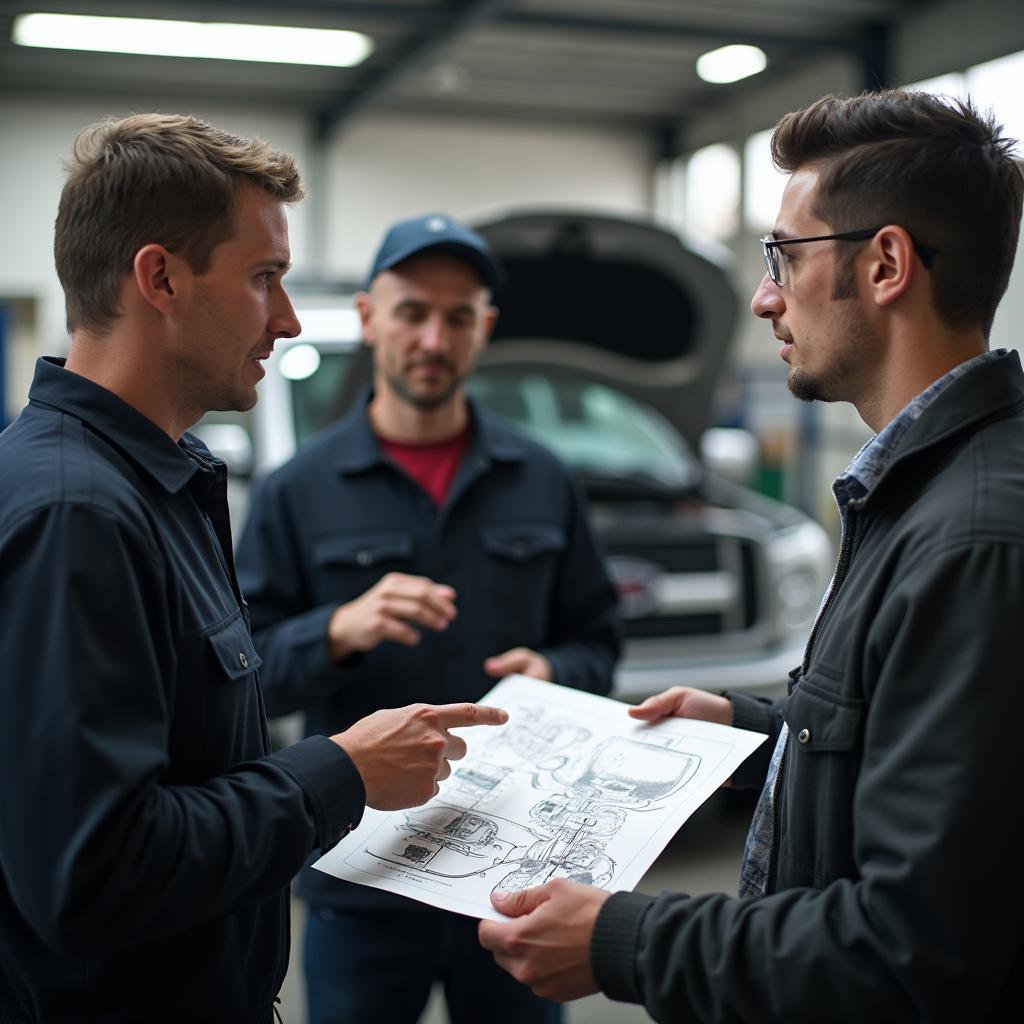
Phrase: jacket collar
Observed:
(137, 437)
(490, 438)
(992, 389)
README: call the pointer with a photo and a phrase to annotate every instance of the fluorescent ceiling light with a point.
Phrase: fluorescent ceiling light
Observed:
(271, 44)
(731, 63)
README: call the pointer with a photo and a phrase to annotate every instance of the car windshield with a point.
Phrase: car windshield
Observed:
(596, 429)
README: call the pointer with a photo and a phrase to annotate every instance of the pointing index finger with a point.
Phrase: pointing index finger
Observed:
(458, 716)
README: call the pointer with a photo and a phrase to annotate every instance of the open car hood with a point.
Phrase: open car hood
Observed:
(621, 300)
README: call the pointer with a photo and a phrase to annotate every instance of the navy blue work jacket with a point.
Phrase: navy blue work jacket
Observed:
(512, 538)
(147, 832)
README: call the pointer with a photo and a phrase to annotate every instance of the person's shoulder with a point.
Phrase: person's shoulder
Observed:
(49, 459)
(994, 472)
(976, 490)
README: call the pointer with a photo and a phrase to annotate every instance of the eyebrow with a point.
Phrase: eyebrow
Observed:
(465, 307)
(780, 234)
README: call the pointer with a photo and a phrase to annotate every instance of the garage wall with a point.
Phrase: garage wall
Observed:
(380, 169)
(35, 137)
(385, 168)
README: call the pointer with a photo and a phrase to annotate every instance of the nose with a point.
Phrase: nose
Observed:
(433, 337)
(284, 323)
(768, 303)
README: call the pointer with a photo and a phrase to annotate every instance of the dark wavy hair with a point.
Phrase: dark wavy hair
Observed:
(148, 178)
(931, 164)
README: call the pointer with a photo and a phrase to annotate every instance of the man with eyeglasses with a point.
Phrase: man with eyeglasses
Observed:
(881, 800)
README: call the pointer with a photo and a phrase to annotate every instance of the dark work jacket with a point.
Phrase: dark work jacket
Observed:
(893, 891)
(147, 833)
(512, 538)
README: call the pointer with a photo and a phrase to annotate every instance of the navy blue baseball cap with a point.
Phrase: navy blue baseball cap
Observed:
(437, 232)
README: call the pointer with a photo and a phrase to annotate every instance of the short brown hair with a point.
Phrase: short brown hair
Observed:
(152, 178)
(933, 165)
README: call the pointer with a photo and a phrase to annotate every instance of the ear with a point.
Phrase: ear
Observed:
(157, 274)
(364, 306)
(893, 264)
(492, 318)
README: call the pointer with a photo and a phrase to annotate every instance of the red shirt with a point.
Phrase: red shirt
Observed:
(432, 466)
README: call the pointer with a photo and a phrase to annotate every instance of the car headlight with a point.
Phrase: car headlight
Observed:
(800, 562)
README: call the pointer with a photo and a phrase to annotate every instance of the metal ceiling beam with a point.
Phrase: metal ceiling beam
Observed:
(847, 41)
(283, 14)
(461, 18)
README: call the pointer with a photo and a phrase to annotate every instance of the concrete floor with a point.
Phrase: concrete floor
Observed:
(703, 857)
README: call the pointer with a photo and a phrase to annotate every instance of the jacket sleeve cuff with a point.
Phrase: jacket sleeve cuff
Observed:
(560, 672)
(309, 640)
(757, 715)
(305, 636)
(580, 666)
(750, 712)
(614, 945)
(332, 784)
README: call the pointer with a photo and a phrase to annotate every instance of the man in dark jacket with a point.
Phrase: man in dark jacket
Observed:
(419, 549)
(147, 832)
(878, 878)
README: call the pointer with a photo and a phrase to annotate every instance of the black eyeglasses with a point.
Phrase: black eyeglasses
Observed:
(777, 269)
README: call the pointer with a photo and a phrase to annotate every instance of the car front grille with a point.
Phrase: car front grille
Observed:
(704, 586)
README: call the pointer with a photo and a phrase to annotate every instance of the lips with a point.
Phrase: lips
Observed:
(432, 365)
(787, 345)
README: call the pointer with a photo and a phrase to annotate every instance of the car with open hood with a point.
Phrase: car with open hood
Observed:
(612, 336)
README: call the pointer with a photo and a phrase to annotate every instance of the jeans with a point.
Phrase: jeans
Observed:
(378, 968)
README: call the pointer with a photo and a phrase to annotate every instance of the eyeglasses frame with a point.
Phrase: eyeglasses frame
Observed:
(926, 253)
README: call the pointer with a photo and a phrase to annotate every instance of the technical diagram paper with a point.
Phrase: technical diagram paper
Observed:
(570, 787)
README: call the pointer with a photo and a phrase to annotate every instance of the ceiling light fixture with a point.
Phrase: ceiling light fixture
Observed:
(269, 44)
(731, 63)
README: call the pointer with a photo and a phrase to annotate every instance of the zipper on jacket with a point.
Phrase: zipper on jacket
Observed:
(842, 567)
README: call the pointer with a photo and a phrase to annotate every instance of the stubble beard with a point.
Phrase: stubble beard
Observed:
(858, 342)
(425, 402)
(191, 377)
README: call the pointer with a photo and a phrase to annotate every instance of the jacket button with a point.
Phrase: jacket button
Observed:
(364, 557)
(804, 736)
(243, 660)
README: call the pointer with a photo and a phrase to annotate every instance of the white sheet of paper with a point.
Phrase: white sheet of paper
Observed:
(569, 787)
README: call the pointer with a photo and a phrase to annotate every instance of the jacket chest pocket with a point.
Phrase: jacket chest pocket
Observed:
(233, 649)
(822, 764)
(346, 565)
(236, 728)
(822, 721)
(520, 569)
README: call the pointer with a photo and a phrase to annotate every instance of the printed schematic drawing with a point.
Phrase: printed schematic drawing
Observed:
(586, 791)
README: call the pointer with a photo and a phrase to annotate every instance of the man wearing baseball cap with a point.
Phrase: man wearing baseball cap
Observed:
(418, 550)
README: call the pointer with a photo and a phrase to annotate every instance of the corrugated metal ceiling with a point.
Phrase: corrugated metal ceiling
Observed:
(597, 61)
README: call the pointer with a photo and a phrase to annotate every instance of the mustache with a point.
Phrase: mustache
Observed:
(432, 362)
